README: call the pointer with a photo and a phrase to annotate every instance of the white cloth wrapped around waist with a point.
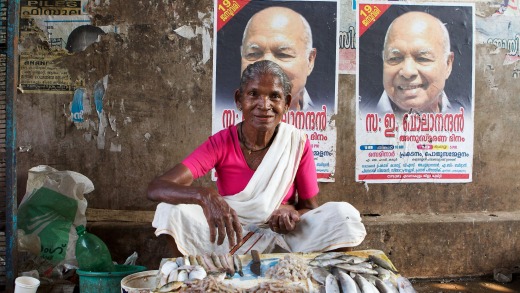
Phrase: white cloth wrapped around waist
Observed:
(330, 226)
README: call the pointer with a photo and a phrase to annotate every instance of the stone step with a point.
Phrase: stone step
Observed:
(420, 246)
(446, 245)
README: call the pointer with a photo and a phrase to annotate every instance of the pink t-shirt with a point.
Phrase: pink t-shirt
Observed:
(222, 152)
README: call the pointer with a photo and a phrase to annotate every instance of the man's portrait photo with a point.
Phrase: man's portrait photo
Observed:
(417, 59)
(300, 36)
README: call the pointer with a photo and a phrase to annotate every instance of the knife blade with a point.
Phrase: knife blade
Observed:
(256, 263)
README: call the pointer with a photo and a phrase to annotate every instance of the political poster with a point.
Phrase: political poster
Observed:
(415, 89)
(307, 51)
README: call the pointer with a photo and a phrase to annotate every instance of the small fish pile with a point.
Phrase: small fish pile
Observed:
(340, 272)
(290, 268)
(209, 284)
(276, 286)
(174, 273)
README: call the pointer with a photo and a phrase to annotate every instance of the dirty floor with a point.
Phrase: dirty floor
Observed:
(473, 285)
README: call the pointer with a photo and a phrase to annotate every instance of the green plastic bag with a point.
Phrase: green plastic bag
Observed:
(52, 207)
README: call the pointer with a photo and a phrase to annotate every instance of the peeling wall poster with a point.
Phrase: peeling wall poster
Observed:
(502, 29)
(310, 62)
(347, 37)
(415, 87)
(52, 29)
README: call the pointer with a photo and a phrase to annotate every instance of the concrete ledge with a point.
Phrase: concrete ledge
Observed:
(447, 245)
(420, 246)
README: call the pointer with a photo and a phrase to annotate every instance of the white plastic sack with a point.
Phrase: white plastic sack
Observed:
(53, 205)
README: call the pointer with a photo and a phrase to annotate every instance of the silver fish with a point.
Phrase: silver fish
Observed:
(230, 271)
(182, 276)
(365, 265)
(216, 262)
(180, 261)
(370, 278)
(329, 255)
(383, 273)
(229, 260)
(356, 269)
(366, 286)
(404, 285)
(208, 260)
(353, 260)
(382, 263)
(385, 287)
(172, 286)
(319, 274)
(238, 265)
(193, 260)
(201, 262)
(347, 284)
(331, 284)
(326, 262)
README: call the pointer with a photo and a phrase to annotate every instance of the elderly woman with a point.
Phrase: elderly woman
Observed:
(267, 184)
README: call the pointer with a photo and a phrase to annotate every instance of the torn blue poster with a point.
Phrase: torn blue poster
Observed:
(76, 108)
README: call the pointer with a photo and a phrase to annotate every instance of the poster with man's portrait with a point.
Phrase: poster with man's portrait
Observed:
(301, 37)
(415, 88)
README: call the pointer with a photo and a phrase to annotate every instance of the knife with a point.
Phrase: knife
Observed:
(256, 264)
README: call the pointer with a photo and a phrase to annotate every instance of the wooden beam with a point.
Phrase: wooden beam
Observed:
(104, 215)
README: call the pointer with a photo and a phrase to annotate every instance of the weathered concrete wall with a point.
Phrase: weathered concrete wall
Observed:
(158, 108)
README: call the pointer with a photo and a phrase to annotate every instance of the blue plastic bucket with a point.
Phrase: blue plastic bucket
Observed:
(105, 282)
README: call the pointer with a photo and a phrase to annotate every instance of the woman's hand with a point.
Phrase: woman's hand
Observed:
(284, 219)
(174, 187)
(222, 219)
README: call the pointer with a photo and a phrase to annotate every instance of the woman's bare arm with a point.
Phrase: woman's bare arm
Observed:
(174, 187)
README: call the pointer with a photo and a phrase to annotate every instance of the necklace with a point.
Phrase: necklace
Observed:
(243, 140)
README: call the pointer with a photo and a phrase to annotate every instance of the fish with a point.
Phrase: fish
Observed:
(319, 274)
(230, 271)
(331, 284)
(182, 275)
(169, 287)
(238, 265)
(202, 263)
(383, 273)
(208, 260)
(187, 261)
(165, 271)
(353, 260)
(180, 261)
(197, 273)
(326, 262)
(370, 278)
(229, 260)
(216, 261)
(347, 284)
(364, 285)
(173, 276)
(356, 269)
(329, 255)
(365, 265)
(404, 285)
(385, 287)
(220, 276)
(383, 263)
(193, 260)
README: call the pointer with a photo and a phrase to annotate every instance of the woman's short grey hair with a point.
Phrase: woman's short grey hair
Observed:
(264, 67)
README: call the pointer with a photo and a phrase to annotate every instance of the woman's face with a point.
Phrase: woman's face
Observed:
(263, 102)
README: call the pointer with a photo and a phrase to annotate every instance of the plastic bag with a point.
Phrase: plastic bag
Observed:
(53, 205)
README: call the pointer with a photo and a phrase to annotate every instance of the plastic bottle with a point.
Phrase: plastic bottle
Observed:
(92, 253)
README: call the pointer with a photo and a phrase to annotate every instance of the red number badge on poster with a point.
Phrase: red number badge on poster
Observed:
(368, 14)
(226, 9)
